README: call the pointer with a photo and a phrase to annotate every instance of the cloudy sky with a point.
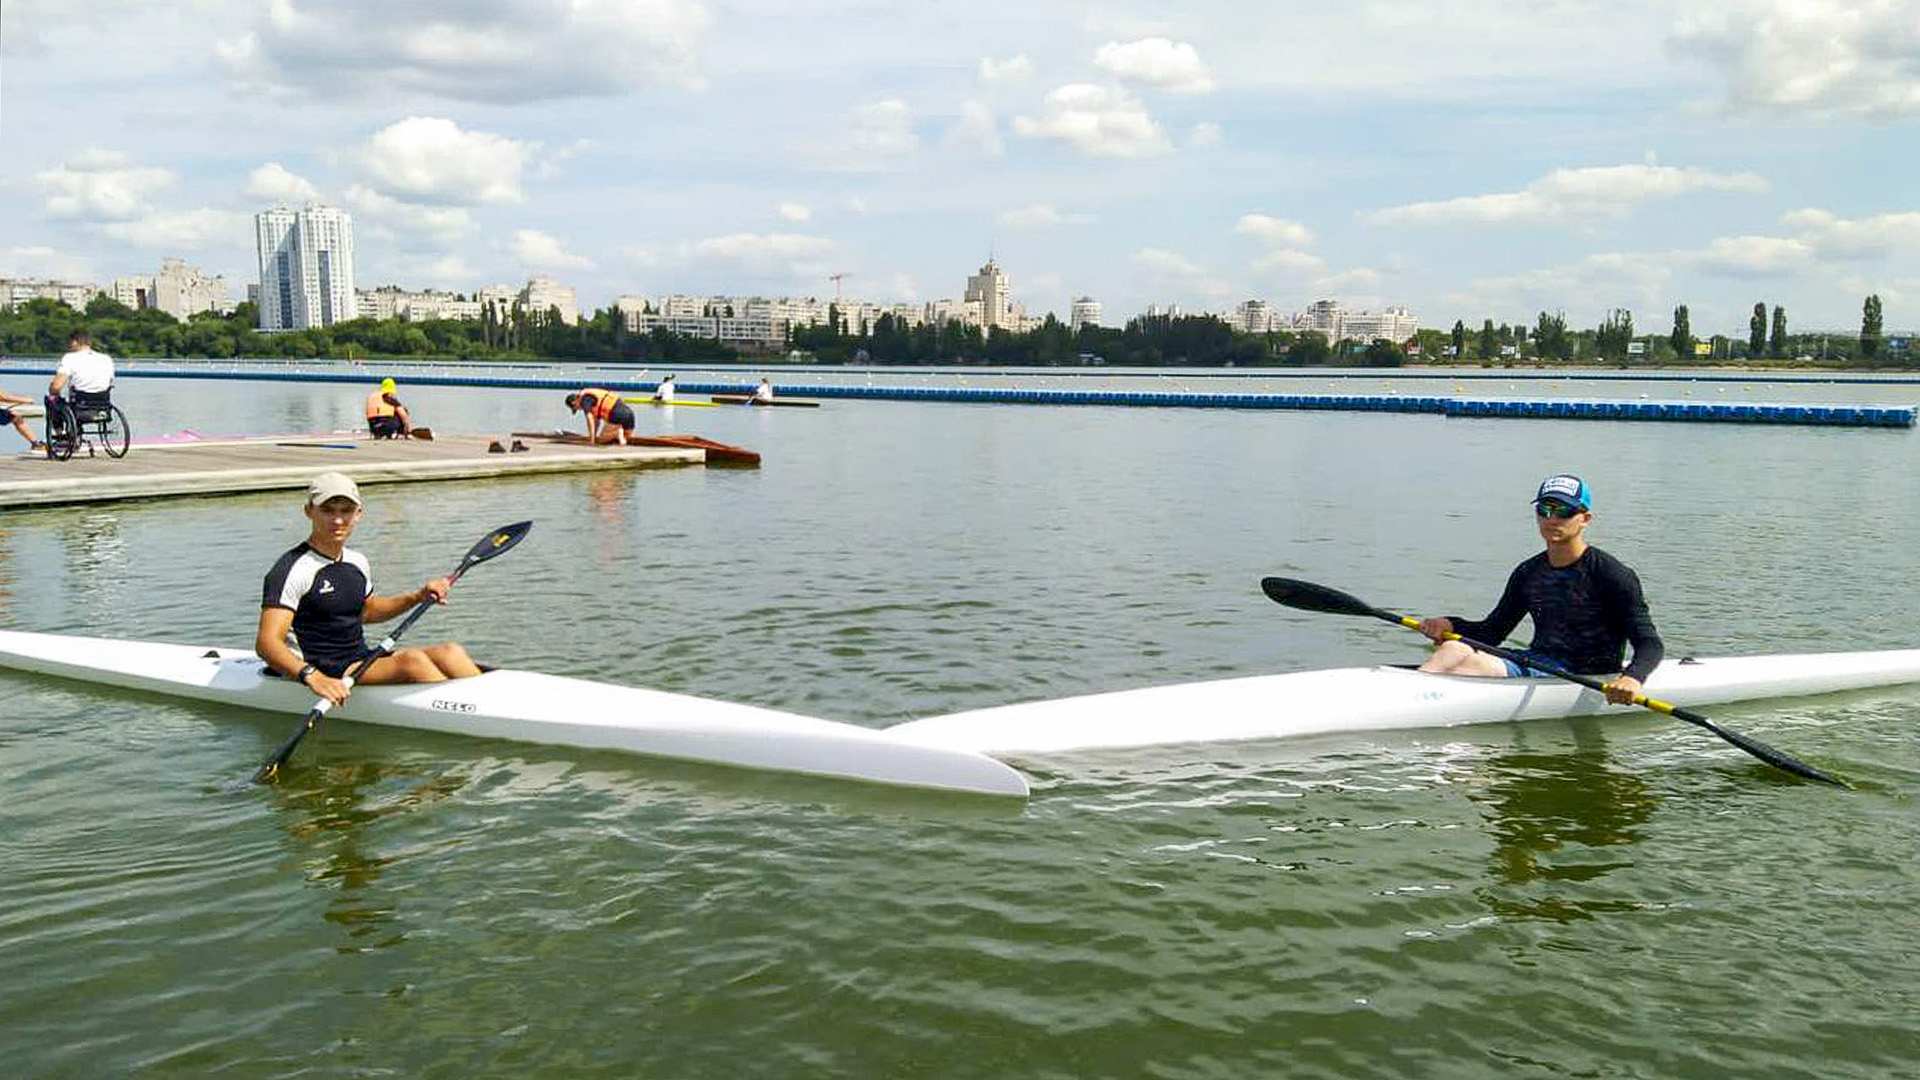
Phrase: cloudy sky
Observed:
(1472, 159)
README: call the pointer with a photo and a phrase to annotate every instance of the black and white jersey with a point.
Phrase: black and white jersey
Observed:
(326, 597)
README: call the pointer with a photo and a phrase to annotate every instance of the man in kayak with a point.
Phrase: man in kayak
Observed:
(603, 408)
(763, 394)
(664, 392)
(386, 417)
(1586, 606)
(322, 591)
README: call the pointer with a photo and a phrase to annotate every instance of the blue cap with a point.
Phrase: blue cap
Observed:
(1565, 488)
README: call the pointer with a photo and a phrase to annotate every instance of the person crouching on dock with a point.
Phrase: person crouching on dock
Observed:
(604, 409)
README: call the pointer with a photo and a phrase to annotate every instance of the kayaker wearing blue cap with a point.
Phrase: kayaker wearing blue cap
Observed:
(322, 591)
(1586, 606)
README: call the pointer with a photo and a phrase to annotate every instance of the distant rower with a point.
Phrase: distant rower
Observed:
(763, 394)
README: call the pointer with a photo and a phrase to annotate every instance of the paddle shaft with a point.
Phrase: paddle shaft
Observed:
(496, 543)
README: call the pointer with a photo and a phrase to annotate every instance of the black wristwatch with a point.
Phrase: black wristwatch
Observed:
(304, 672)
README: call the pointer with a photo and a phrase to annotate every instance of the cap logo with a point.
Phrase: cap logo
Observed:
(1563, 487)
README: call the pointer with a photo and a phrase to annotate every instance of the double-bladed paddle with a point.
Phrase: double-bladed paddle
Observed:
(1307, 596)
(497, 542)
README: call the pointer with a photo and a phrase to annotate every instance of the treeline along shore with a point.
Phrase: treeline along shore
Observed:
(40, 327)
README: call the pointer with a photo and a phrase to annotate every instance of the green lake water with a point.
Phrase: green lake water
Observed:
(1614, 897)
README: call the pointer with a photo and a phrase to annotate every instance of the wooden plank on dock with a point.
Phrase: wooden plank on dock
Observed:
(289, 462)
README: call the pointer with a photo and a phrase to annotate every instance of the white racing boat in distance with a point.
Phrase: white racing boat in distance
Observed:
(1376, 699)
(527, 706)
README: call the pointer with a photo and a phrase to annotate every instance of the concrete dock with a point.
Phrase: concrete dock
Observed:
(157, 471)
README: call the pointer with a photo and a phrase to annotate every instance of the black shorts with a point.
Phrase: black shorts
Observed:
(333, 667)
(384, 427)
(621, 415)
(6, 415)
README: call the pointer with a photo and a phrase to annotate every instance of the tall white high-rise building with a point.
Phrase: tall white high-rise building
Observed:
(989, 289)
(306, 267)
(1086, 311)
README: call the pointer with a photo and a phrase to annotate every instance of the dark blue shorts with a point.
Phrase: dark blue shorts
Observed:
(334, 667)
(621, 415)
(6, 415)
(1515, 671)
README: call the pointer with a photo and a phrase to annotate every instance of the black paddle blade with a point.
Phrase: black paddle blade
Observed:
(1768, 754)
(1307, 596)
(497, 542)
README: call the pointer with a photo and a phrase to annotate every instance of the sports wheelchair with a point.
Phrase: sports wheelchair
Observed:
(93, 420)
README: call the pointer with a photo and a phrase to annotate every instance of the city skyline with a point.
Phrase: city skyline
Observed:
(1493, 162)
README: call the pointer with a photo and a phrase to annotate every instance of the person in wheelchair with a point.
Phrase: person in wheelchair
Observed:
(86, 414)
(386, 417)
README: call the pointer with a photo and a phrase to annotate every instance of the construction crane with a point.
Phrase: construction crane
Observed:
(837, 279)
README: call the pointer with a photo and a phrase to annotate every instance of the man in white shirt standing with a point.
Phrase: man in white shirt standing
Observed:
(86, 375)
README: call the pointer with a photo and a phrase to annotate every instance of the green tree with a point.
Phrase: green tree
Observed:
(1682, 336)
(1489, 343)
(1550, 338)
(1870, 328)
(1459, 340)
(1614, 334)
(1757, 331)
(1777, 341)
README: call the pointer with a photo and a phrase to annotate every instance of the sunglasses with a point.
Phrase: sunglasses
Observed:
(1556, 510)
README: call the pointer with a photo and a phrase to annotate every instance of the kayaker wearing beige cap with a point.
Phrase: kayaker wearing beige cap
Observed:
(322, 592)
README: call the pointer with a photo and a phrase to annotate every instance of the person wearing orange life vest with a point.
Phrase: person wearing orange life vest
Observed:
(604, 409)
(386, 417)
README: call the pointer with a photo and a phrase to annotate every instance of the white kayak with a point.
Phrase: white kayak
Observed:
(526, 706)
(1376, 699)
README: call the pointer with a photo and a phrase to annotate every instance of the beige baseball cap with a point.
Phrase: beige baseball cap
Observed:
(332, 485)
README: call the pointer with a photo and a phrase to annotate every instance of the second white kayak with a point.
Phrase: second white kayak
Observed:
(1376, 698)
(527, 706)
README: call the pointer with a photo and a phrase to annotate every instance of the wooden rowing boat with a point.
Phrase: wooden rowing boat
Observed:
(718, 453)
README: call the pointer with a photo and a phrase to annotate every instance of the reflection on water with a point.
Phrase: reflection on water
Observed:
(96, 561)
(1559, 818)
(328, 825)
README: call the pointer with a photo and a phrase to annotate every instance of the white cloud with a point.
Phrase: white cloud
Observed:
(1157, 62)
(182, 230)
(1291, 260)
(976, 129)
(903, 289)
(1818, 57)
(761, 253)
(506, 51)
(1099, 120)
(1174, 267)
(793, 211)
(1596, 283)
(539, 251)
(413, 226)
(272, 183)
(1573, 194)
(38, 260)
(1005, 72)
(1753, 256)
(884, 128)
(876, 137)
(1347, 281)
(100, 185)
(429, 159)
(1273, 230)
(1041, 216)
(1833, 237)
(1204, 134)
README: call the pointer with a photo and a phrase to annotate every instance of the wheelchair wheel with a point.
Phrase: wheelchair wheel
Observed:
(114, 433)
(63, 431)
